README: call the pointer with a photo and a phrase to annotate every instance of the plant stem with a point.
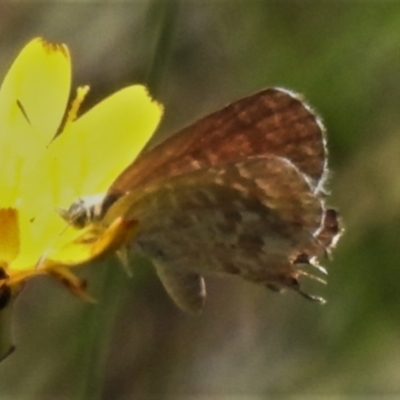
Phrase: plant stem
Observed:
(98, 327)
(164, 15)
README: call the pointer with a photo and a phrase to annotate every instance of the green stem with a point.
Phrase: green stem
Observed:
(163, 15)
(97, 330)
(99, 322)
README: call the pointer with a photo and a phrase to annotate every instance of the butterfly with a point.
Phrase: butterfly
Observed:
(239, 192)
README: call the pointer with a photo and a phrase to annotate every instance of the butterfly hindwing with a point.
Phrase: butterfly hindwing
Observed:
(250, 218)
(186, 288)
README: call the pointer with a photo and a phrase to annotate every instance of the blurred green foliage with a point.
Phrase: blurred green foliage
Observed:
(344, 57)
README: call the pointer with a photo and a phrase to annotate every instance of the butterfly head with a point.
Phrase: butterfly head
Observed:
(87, 210)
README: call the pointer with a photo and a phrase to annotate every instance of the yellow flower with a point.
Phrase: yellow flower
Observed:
(49, 159)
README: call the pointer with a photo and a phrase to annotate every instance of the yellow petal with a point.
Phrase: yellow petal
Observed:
(36, 237)
(33, 98)
(103, 142)
(88, 156)
(38, 86)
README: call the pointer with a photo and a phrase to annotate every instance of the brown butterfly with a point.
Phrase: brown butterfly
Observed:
(241, 191)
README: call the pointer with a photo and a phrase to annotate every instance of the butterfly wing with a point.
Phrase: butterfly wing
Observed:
(271, 122)
(186, 288)
(251, 218)
(239, 192)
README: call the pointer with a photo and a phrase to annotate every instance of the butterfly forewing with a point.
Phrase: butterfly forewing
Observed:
(273, 121)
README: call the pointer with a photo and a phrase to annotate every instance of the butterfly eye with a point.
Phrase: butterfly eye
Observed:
(77, 215)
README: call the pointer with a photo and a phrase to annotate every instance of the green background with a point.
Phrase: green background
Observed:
(249, 343)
